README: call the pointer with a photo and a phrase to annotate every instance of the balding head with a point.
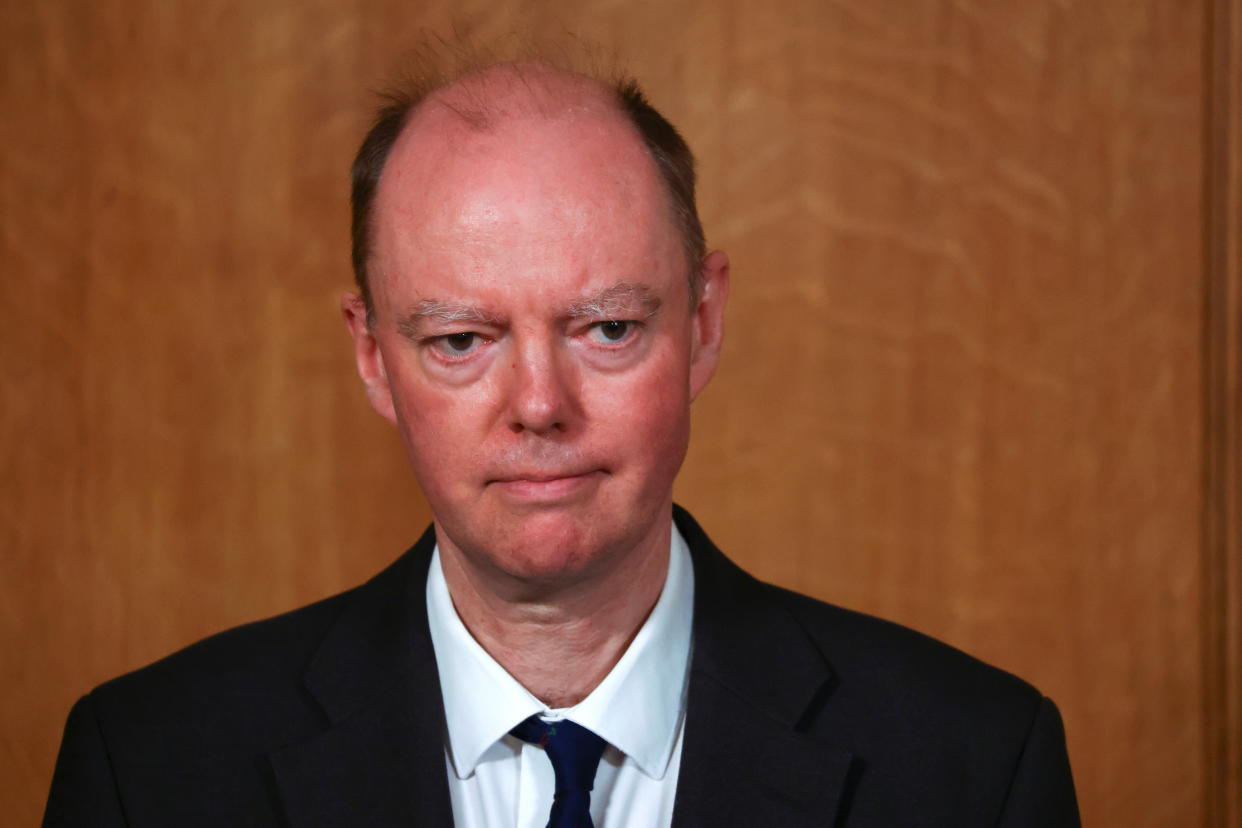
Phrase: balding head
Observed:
(519, 90)
(477, 97)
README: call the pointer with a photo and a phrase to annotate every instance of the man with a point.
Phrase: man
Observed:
(536, 314)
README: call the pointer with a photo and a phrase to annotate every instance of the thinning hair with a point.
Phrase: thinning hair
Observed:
(438, 63)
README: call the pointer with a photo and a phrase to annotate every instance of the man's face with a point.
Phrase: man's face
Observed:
(534, 340)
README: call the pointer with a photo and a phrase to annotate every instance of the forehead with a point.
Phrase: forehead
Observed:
(552, 183)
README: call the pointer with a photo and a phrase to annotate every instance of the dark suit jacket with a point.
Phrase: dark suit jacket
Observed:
(799, 714)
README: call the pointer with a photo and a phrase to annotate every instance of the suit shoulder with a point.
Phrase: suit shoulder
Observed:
(271, 653)
(907, 669)
(255, 666)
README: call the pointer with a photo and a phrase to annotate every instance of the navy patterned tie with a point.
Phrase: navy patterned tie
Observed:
(575, 753)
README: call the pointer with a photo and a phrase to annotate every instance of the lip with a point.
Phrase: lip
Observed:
(546, 486)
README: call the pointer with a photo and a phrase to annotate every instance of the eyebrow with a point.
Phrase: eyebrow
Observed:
(410, 326)
(620, 300)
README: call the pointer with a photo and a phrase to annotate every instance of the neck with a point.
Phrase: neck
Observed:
(562, 644)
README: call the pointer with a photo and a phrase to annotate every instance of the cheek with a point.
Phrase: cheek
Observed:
(650, 416)
(433, 402)
(441, 428)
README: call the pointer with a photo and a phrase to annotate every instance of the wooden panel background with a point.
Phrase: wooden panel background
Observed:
(966, 383)
(1223, 443)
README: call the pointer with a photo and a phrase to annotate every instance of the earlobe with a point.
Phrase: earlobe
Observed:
(368, 357)
(708, 320)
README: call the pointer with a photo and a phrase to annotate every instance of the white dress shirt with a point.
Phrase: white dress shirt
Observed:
(498, 781)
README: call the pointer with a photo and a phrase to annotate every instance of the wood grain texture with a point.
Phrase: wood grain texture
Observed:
(963, 384)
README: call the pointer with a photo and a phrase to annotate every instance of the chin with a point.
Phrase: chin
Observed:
(550, 545)
(553, 545)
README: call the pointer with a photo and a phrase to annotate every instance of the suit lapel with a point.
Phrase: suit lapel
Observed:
(756, 684)
(380, 761)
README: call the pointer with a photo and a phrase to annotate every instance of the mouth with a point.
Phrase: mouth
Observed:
(538, 476)
(543, 485)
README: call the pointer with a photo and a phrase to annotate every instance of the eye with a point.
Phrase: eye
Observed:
(613, 331)
(457, 344)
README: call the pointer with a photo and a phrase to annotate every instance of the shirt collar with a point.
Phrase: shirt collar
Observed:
(637, 708)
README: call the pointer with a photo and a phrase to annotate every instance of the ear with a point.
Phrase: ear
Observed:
(367, 356)
(707, 323)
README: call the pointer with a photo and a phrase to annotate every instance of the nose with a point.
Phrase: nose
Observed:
(542, 392)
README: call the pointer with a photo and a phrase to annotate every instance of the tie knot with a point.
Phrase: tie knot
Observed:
(573, 750)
